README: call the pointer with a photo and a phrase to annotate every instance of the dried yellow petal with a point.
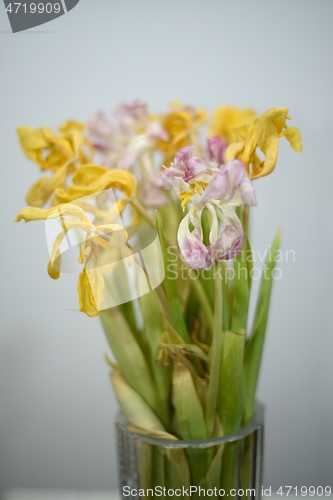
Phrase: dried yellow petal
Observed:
(90, 296)
(103, 179)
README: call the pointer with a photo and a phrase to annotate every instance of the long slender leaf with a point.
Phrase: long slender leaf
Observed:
(130, 357)
(153, 328)
(242, 286)
(177, 471)
(145, 463)
(231, 388)
(191, 421)
(207, 277)
(212, 479)
(255, 344)
(189, 411)
(225, 298)
(247, 454)
(229, 473)
(171, 289)
(136, 410)
(192, 310)
(158, 468)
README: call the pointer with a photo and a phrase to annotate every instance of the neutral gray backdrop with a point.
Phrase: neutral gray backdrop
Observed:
(57, 408)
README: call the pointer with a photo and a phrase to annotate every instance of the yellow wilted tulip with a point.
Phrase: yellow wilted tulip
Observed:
(60, 152)
(264, 132)
(230, 123)
(99, 236)
(181, 124)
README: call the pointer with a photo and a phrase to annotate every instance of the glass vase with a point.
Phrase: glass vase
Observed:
(219, 467)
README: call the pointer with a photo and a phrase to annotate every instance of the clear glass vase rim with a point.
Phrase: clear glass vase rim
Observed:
(255, 422)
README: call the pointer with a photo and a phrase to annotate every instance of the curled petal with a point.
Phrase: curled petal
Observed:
(216, 149)
(155, 178)
(103, 178)
(230, 123)
(189, 165)
(53, 272)
(180, 123)
(132, 115)
(240, 188)
(29, 214)
(60, 196)
(151, 190)
(185, 167)
(99, 124)
(52, 150)
(100, 130)
(226, 243)
(263, 132)
(194, 167)
(156, 131)
(167, 179)
(88, 174)
(136, 148)
(217, 188)
(230, 186)
(71, 125)
(247, 192)
(293, 135)
(41, 191)
(191, 246)
(90, 291)
(184, 154)
(54, 264)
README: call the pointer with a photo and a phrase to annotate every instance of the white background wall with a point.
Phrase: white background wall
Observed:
(57, 409)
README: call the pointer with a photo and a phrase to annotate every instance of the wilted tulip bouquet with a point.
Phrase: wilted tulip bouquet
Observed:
(178, 186)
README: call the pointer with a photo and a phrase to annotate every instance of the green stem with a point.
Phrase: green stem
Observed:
(215, 351)
(195, 282)
(204, 302)
(246, 217)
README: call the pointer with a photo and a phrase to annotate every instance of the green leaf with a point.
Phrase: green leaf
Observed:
(231, 388)
(127, 310)
(121, 294)
(247, 454)
(192, 310)
(158, 467)
(207, 280)
(153, 328)
(212, 479)
(207, 276)
(215, 354)
(146, 464)
(225, 298)
(242, 286)
(133, 406)
(189, 411)
(229, 472)
(129, 356)
(255, 343)
(177, 471)
(171, 289)
(190, 420)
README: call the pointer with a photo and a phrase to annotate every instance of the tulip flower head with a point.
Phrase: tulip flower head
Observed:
(215, 188)
(129, 142)
(60, 153)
